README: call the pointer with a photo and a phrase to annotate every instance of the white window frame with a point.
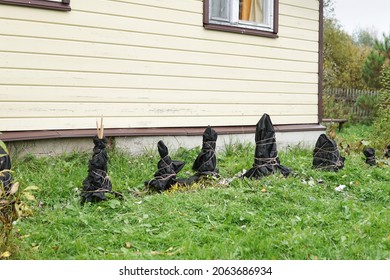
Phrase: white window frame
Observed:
(233, 20)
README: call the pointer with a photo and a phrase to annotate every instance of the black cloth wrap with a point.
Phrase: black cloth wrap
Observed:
(97, 183)
(205, 163)
(5, 167)
(369, 153)
(266, 160)
(326, 155)
(165, 176)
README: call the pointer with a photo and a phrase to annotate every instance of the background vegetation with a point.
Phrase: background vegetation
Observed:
(357, 62)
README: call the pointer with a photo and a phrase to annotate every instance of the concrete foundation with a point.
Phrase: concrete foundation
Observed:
(148, 144)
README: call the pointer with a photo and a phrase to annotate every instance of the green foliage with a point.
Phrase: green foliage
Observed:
(14, 204)
(357, 106)
(382, 122)
(364, 37)
(343, 59)
(335, 109)
(372, 68)
(299, 217)
(368, 103)
(377, 58)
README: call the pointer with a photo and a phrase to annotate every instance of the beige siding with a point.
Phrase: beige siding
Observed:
(152, 64)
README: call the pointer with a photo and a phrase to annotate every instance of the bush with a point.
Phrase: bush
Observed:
(382, 122)
(332, 108)
(357, 106)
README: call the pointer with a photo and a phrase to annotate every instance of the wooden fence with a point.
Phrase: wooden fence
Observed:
(353, 104)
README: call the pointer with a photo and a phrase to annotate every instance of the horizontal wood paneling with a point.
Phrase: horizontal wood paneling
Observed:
(36, 110)
(52, 123)
(278, 49)
(152, 64)
(109, 80)
(312, 5)
(121, 52)
(113, 95)
(153, 68)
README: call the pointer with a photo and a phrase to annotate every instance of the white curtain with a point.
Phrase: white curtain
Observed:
(252, 10)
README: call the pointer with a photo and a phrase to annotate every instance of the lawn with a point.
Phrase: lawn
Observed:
(298, 217)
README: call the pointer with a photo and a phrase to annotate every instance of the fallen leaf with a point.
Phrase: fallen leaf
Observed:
(4, 201)
(365, 142)
(31, 188)
(128, 245)
(169, 249)
(29, 196)
(4, 147)
(14, 189)
(263, 190)
(5, 254)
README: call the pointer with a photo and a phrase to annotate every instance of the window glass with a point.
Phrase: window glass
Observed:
(220, 10)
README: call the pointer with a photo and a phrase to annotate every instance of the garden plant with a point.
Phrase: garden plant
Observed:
(311, 214)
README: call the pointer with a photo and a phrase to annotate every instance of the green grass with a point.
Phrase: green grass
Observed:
(299, 217)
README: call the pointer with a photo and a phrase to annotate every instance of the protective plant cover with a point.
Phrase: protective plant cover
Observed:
(165, 176)
(5, 167)
(97, 183)
(370, 156)
(206, 162)
(266, 159)
(326, 155)
(387, 152)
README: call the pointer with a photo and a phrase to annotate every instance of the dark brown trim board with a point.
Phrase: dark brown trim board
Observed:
(59, 6)
(138, 132)
(276, 17)
(320, 60)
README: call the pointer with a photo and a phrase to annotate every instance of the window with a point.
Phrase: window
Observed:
(62, 5)
(256, 17)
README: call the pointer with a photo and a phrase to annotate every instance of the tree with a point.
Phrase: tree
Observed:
(365, 37)
(343, 59)
(381, 134)
(328, 8)
(378, 57)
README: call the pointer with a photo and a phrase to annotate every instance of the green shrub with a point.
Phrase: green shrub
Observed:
(334, 109)
(369, 104)
(382, 122)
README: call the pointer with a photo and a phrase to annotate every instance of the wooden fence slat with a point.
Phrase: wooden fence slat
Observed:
(349, 97)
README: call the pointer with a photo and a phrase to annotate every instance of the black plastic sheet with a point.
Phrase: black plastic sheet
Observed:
(165, 176)
(387, 152)
(369, 153)
(97, 183)
(266, 160)
(5, 168)
(326, 155)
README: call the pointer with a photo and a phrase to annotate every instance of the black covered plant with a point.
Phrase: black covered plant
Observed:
(369, 153)
(387, 152)
(326, 155)
(206, 162)
(9, 199)
(266, 159)
(5, 169)
(97, 183)
(165, 176)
